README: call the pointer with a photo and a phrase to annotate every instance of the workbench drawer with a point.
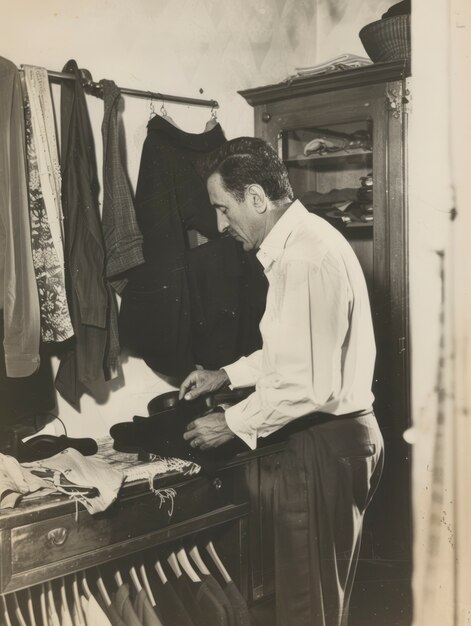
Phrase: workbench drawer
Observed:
(119, 530)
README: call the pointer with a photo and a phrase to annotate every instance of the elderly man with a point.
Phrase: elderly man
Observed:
(312, 378)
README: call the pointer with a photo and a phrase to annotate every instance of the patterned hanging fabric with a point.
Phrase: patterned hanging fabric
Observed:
(45, 206)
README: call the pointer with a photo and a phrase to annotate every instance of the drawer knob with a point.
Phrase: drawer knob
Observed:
(266, 117)
(57, 537)
(217, 484)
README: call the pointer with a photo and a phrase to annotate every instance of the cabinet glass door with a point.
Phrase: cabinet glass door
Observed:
(331, 170)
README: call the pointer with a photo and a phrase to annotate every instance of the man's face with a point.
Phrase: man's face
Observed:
(241, 220)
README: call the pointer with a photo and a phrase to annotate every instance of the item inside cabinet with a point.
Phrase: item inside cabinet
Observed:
(331, 170)
(207, 586)
(339, 140)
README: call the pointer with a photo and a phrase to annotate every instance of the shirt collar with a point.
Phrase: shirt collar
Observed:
(275, 242)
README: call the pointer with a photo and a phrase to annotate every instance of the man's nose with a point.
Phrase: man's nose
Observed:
(222, 222)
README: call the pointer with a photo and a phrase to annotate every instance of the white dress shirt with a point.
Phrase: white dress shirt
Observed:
(318, 348)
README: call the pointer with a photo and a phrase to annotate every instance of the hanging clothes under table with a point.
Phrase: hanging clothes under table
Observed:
(51, 538)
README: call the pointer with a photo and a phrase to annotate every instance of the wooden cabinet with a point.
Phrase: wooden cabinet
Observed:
(342, 137)
(46, 538)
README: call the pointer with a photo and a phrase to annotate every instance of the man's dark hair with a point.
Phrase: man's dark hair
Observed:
(248, 160)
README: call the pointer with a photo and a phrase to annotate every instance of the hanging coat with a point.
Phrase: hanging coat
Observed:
(94, 354)
(122, 237)
(171, 198)
(187, 304)
(18, 292)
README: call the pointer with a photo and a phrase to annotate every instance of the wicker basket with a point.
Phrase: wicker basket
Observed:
(388, 39)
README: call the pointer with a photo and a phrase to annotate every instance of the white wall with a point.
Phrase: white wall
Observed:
(440, 311)
(178, 47)
(340, 21)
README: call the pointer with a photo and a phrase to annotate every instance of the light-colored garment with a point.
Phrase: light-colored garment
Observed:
(77, 611)
(45, 206)
(42, 120)
(52, 616)
(91, 481)
(65, 613)
(66, 617)
(16, 481)
(42, 603)
(318, 349)
(31, 615)
(18, 613)
(18, 292)
(94, 614)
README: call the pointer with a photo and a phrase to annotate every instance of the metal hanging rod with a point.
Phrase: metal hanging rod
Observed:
(95, 89)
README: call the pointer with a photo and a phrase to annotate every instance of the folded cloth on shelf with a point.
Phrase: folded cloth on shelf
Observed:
(326, 143)
(91, 481)
(16, 481)
(332, 141)
(341, 62)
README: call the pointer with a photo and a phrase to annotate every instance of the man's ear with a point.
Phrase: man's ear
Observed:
(257, 197)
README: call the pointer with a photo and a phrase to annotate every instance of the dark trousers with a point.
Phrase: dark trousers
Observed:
(326, 478)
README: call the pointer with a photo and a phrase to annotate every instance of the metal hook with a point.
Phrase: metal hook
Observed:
(214, 114)
(163, 110)
(151, 106)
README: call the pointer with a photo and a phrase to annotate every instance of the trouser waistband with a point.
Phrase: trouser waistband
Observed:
(343, 415)
(312, 419)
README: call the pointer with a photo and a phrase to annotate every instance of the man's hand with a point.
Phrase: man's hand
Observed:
(209, 431)
(200, 382)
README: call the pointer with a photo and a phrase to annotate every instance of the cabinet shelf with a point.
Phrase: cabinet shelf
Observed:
(341, 154)
(350, 225)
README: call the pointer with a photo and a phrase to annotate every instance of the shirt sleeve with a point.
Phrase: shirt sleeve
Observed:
(246, 371)
(306, 328)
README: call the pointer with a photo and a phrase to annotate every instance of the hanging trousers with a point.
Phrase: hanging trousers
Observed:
(326, 477)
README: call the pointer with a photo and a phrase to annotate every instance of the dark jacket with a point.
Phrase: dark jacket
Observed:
(183, 305)
(122, 237)
(94, 317)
